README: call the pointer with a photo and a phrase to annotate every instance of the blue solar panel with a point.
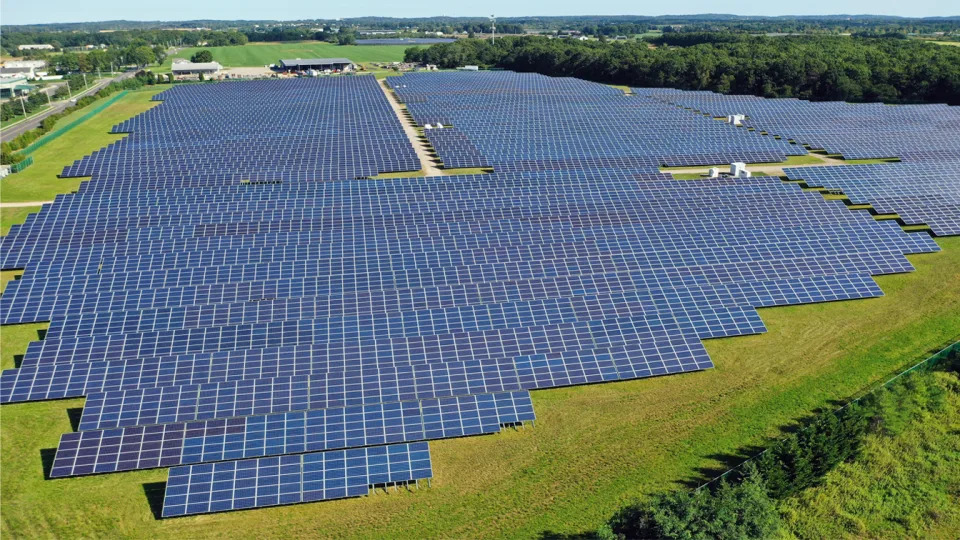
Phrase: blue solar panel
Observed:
(230, 285)
(272, 481)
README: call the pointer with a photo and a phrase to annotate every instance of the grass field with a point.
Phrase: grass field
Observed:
(39, 181)
(901, 486)
(949, 43)
(261, 54)
(13, 216)
(594, 448)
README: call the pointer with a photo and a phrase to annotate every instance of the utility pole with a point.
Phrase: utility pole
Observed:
(493, 26)
(69, 90)
(23, 106)
(84, 80)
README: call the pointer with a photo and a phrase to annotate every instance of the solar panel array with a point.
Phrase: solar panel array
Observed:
(255, 131)
(516, 121)
(923, 189)
(299, 339)
(855, 130)
(924, 193)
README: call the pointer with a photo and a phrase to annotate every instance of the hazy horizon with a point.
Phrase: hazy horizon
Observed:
(22, 13)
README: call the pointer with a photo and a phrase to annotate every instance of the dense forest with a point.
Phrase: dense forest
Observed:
(807, 67)
(9, 40)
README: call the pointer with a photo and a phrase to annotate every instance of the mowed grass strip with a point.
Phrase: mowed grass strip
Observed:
(14, 216)
(262, 54)
(593, 448)
(39, 182)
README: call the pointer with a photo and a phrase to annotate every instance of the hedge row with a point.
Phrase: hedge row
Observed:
(743, 504)
(8, 149)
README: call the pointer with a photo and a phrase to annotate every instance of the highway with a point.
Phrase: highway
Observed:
(14, 131)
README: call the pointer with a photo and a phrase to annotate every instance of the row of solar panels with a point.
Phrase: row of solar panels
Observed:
(287, 339)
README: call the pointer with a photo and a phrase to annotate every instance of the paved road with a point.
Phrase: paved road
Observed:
(14, 131)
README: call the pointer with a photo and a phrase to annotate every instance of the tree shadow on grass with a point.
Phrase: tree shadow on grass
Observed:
(154, 491)
(550, 535)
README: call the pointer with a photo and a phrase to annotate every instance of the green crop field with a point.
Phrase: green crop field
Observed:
(593, 449)
(261, 54)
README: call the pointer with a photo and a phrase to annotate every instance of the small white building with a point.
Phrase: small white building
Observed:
(469, 68)
(25, 68)
(736, 119)
(35, 47)
(738, 169)
(181, 67)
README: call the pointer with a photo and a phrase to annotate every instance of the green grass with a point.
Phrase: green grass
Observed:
(403, 174)
(14, 216)
(593, 449)
(468, 170)
(262, 54)
(950, 43)
(39, 182)
(904, 486)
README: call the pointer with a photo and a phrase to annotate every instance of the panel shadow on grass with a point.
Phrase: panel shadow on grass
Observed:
(46, 458)
(75, 414)
(154, 491)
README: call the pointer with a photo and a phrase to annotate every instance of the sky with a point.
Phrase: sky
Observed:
(47, 11)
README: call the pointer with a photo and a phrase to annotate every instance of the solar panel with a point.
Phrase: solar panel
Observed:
(236, 299)
(272, 481)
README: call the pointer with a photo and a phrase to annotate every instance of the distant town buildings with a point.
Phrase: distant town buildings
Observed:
(35, 47)
(23, 68)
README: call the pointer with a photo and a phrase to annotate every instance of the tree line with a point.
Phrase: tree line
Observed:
(806, 67)
(745, 504)
(11, 40)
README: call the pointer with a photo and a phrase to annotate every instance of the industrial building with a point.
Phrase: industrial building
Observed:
(12, 87)
(319, 64)
(182, 67)
(23, 68)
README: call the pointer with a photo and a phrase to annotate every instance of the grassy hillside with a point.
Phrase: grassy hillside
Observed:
(261, 54)
(904, 486)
